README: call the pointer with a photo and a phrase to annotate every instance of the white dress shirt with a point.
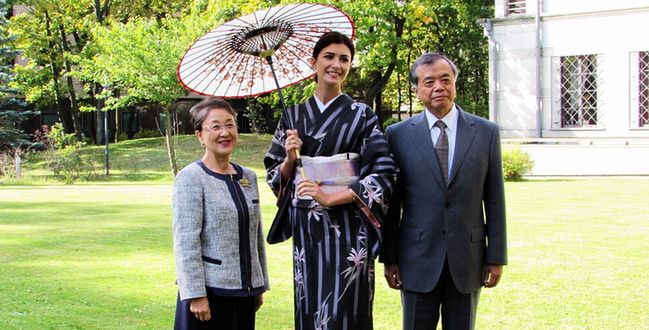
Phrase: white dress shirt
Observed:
(451, 130)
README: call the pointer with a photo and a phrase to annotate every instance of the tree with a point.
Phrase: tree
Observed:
(39, 36)
(461, 38)
(392, 34)
(140, 58)
(12, 109)
(53, 36)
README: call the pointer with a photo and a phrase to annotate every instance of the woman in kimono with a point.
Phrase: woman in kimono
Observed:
(335, 213)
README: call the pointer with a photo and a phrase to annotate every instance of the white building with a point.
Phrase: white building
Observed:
(570, 83)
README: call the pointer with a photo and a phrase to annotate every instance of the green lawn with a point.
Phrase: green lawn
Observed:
(99, 255)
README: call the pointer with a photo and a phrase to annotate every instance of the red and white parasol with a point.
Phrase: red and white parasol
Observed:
(261, 52)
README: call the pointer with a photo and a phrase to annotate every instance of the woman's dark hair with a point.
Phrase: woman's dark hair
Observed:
(333, 38)
(199, 111)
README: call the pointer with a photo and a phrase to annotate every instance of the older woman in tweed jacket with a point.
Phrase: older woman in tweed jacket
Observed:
(218, 239)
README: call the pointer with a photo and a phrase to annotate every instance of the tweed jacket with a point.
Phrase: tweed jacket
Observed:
(217, 233)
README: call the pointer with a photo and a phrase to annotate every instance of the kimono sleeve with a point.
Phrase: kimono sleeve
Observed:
(280, 229)
(275, 157)
(377, 171)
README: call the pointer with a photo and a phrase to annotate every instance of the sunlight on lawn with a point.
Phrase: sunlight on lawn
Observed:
(100, 256)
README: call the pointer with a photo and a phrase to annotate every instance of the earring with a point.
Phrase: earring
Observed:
(203, 145)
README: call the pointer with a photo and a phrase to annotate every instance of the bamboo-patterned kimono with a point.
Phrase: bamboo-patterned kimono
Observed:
(333, 248)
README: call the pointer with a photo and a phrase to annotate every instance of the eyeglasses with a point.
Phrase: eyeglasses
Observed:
(218, 128)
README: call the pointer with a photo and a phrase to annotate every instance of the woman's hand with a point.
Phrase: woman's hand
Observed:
(309, 188)
(292, 144)
(201, 308)
(259, 300)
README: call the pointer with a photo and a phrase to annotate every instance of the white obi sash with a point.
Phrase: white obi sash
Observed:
(332, 173)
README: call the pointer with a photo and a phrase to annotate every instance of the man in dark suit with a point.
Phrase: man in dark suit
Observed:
(444, 237)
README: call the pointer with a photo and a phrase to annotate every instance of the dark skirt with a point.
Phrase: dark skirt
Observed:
(228, 313)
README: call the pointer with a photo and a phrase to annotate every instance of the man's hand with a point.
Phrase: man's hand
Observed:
(391, 273)
(201, 308)
(492, 274)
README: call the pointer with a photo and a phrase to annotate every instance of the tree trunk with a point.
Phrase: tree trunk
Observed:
(378, 102)
(99, 118)
(399, 96)
(101, 10)
(381, 80)
(116, 126)
(74, 104)
(171, 148)
(409, 84)
(56, 75)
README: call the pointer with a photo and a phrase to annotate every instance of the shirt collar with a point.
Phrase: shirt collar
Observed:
(321, 106)
(450, 119)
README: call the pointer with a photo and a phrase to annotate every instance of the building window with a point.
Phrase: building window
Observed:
(578, 96)
(515, 7)
(643, 89)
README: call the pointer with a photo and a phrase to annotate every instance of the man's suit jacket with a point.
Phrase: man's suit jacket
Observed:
(428, 221)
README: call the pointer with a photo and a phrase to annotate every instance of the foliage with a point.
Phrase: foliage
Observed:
(13, 111)
(42, 138)
(66, 163)
(57, 137)
(461, 38)
(260, 116)
(140, 57)
(146, 133)
(392, 34)
(11, 135)
(388, 122)
(11, 161)
(63, 155)
(265, 111)
(56, 39)
(516, 163)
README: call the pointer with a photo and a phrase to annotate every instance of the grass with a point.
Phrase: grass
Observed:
(99, 255)
(144, 160)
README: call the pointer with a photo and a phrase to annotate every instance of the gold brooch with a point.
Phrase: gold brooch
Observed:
(244, 183)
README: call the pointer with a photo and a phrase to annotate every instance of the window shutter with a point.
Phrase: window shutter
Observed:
(555, 91)
(634, 97)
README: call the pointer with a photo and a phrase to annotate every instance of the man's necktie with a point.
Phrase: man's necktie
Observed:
(441, 148)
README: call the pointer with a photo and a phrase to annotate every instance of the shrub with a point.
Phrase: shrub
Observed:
(7, 166)
(516, 163)
(68, 165)
(123, 136)
(8, 159)
(147, 133)
(260, 116)
(59, 138)
(389, 122)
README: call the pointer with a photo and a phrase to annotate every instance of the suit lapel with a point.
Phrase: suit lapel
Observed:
(421, 138)
(463, 139)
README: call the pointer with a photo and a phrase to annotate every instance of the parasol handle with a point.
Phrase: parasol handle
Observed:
(269, 59)
(298, 161)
